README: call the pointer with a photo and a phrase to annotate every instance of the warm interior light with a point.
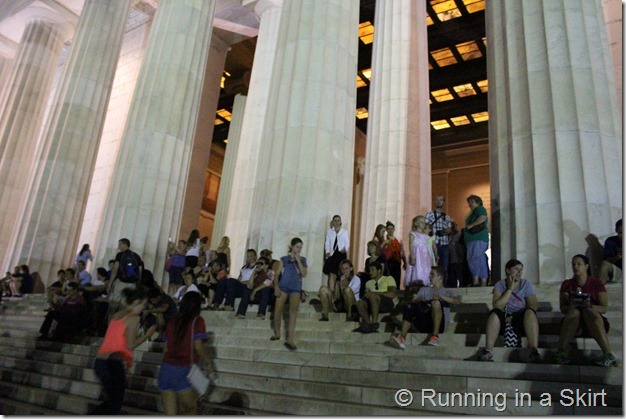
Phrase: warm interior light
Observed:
(366, 32)
(225, 114)
(483, 85)
(441, 124)
(480, 116)
(474, 5)
(442, 95)
(460, 120)
(443, 57)
(469, 50)
(464, 90)
(362, 113)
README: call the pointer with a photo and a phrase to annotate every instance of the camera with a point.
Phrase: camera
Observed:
(580, 298)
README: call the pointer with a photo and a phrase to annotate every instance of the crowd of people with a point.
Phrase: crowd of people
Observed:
(125, 305)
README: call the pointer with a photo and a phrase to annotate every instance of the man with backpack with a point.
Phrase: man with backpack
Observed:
(126, 273)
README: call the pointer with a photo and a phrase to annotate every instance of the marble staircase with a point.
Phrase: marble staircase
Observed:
(334, 371)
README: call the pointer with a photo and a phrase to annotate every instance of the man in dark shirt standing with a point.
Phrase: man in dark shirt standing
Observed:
(611, 266)
(126, 273)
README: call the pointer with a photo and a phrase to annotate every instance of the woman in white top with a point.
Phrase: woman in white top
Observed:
(349, 286)
(336, 247)
(193, 249)
(189, 286)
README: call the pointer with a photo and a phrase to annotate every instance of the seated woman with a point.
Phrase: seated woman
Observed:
(189, 285)
(583, 299)
(515, 303)
(350, 289)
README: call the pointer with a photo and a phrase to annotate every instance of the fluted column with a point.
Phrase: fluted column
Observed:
(307, 150)
(46, 236)
(242, 190)
(147, 192)
(23, 112)
(555, 135)
(397, 158)
(228, 171)
(201, 152)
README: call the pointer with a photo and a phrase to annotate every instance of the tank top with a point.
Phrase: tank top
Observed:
(115, 341)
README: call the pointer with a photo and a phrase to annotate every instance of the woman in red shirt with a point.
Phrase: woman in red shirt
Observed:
(584, 300)
(393, 251)
(185, 331)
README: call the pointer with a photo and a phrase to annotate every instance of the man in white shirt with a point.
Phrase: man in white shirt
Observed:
(234, 288)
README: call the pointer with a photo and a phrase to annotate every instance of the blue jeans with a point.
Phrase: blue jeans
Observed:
(477, 259)
(442, 252)
(234, 289)
(262, 297)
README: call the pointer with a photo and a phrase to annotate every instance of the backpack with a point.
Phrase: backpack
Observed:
(129, 267)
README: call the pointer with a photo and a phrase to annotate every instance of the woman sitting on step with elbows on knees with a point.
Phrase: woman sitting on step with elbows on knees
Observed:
(584, 301)
(514, 308)
(349, 289)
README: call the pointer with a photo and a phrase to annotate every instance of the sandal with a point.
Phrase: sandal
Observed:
(290, 346)
(275, 338)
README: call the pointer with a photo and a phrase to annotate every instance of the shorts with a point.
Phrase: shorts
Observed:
(173, 378)
(517, 320)
(386, 304)
(421, 317)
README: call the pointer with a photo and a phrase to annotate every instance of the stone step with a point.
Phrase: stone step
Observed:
(14, 407)
(377, 354)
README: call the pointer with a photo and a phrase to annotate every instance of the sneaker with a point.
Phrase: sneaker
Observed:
(240, 316)
(561, 358)
(535, 357)
(485, 355)
(260, 317)
(607, 360)
(433, 341)
(397, 342)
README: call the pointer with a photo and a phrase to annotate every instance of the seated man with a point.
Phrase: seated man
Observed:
(515, 304)
(349, 288)
(611, 266)
(67, 318)
(379, 294)
(259, 289)
(583, 300)
(234, 288)
(428, 311)
(97, 299)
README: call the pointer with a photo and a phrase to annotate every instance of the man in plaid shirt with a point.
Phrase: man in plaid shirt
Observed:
(440, 224)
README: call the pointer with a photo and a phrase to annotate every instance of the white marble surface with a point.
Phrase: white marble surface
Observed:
(29, 86)
(247, 160)
(398, 160)
(307, 150)
(553, 124)
(70, 142)
(145, 201)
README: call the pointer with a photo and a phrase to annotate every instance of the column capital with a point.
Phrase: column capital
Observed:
(261, 6)
(64, 25)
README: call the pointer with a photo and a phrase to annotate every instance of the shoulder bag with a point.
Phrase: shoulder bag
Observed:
(196, 377)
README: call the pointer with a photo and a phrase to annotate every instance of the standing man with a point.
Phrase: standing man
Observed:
(440, 224)
(126, 273)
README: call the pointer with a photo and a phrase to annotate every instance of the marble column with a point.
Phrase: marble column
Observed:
(555, 133)
(228, 173)
(201, 152)
(147, 192)
(306, 160)
(242, 190)
(397, 159)
(24, 107)
(47, 233)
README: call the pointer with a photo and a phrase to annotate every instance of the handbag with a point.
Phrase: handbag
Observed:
(196, 377)
(477, 228)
